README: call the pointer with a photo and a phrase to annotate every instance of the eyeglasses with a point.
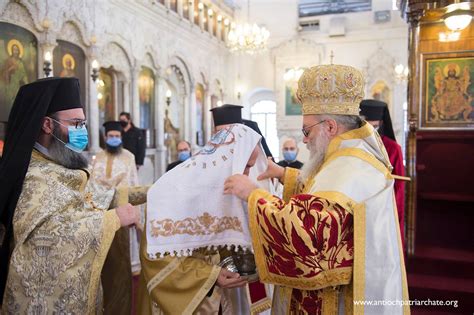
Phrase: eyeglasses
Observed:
(77, 123)
(306, 130)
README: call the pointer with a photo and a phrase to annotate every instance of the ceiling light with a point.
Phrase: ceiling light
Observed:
(457, 20)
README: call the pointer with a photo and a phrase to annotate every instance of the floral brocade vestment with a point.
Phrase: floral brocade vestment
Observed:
(60, 242)
(334, 240)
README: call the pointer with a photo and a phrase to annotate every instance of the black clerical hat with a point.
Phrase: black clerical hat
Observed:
(378, 110)
(112, 125)
(227, 114)
(66, 96)
(372, 109)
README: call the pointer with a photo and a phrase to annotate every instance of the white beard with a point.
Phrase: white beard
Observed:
(317, 149)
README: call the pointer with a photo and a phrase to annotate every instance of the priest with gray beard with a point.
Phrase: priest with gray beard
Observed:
(55, 230)
(332, 245)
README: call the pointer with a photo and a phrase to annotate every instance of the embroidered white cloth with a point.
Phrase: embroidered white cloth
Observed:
(187, 209)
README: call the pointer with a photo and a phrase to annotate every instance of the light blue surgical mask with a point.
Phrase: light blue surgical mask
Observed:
(289, 156)
(184, 155)
(114, 141)
(77, 137)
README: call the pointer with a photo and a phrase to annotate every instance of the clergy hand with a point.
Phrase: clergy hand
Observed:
(273, 171)
(239, 185)
(128, 215)
(228, 279)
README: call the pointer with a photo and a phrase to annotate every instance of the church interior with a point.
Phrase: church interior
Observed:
(169, 62)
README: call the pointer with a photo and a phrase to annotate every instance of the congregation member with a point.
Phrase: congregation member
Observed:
(133, 138)
(184, 152)
(290, 152)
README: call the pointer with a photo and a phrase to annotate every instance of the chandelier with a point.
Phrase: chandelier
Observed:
(248, 38)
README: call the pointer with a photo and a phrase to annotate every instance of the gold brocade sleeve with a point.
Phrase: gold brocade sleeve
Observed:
(174, 285)
(290, 181)
(306, 243)
(135, 195)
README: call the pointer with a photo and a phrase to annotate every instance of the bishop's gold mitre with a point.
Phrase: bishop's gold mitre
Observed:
(331, 89)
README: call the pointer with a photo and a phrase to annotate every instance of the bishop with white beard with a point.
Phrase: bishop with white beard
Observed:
(332, 244)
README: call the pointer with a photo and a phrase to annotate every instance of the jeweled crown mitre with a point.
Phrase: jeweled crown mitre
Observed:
(331, 89)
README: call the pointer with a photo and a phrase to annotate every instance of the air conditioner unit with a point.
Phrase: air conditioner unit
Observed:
(308, 24)
(382, 16)
(337, 26)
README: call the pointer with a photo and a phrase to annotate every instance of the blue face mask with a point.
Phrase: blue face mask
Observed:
(184, 155)
(289, 156)
(78, 138)
(114, 141)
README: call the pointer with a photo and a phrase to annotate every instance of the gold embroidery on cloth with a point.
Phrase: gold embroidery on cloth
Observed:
(330, 301)
(291, 183)
(331, 89)
(202, 225)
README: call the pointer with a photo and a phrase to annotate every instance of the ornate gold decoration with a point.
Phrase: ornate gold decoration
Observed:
(202, 225)
(72, 62)
(331, 89)
(15, 42)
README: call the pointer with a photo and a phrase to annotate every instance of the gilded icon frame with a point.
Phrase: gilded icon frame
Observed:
(447, 90)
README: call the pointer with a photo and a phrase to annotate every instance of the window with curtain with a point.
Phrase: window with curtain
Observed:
(264, 113)
(308, 8)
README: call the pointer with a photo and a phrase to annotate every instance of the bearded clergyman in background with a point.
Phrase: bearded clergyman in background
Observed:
(55, 229)
(115, 168)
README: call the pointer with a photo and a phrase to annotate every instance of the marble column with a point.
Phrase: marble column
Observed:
(135, 97)
(179, 5)
(92, 111)
(210, 21)
(126, 97)
(201, 17)
(160, 105)
(219, 27)
(207, 114)
(191, 11)
(93, 118)
(192, 114)
(226, 32)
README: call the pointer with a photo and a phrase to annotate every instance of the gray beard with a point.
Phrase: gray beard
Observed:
(317, 150)
(64, 156)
